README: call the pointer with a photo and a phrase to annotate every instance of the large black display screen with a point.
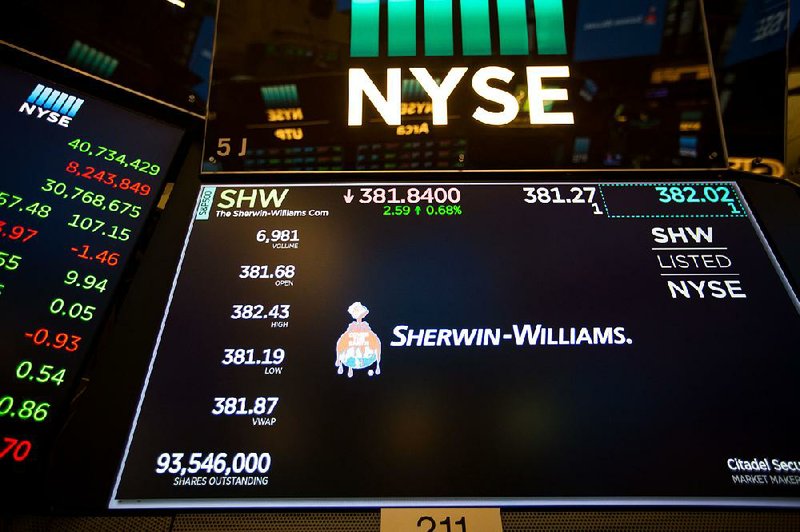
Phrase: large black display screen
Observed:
(79, 179)
(384, 344)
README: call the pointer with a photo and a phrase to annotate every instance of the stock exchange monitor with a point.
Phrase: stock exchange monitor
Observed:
(470, 343)
(79, 179)
(430, 254)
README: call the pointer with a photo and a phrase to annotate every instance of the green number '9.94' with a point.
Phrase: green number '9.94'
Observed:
(88, 282)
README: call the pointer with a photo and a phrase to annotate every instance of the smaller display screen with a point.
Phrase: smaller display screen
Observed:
(450, 344)
(79, 179)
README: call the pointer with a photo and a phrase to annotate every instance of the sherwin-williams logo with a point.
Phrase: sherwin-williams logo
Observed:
(54, 106)
(358, 347)
(476, 40)
(512, 18)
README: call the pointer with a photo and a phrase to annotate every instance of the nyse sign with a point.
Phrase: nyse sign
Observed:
(389, 106)
(512, 16)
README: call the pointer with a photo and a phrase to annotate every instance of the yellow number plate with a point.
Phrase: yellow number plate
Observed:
(441, 520)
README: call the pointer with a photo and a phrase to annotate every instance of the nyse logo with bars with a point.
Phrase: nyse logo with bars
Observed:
(513, 17)
(52, 105)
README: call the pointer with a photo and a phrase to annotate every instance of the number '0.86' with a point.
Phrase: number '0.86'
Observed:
(28, 409)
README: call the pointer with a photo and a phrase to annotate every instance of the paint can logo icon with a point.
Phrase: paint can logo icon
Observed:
(358, 348)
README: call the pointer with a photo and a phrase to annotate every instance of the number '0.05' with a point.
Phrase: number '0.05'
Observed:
(73, 311)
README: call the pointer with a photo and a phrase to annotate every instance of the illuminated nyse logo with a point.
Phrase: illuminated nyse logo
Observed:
(512, 17)
(54, 106)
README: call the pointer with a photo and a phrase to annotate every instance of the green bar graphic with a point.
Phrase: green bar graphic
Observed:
(412, 90)
(88, 63)
(82, 53)
(103, 66)
(550, 38)
(408, 90)
(73, 51)
(475, 33)
(97, 63)
(402, 28)
(513, 18)
(438, 27)
(364, 28)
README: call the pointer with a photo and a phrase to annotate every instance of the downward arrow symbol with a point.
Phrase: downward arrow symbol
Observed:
(348, 197)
